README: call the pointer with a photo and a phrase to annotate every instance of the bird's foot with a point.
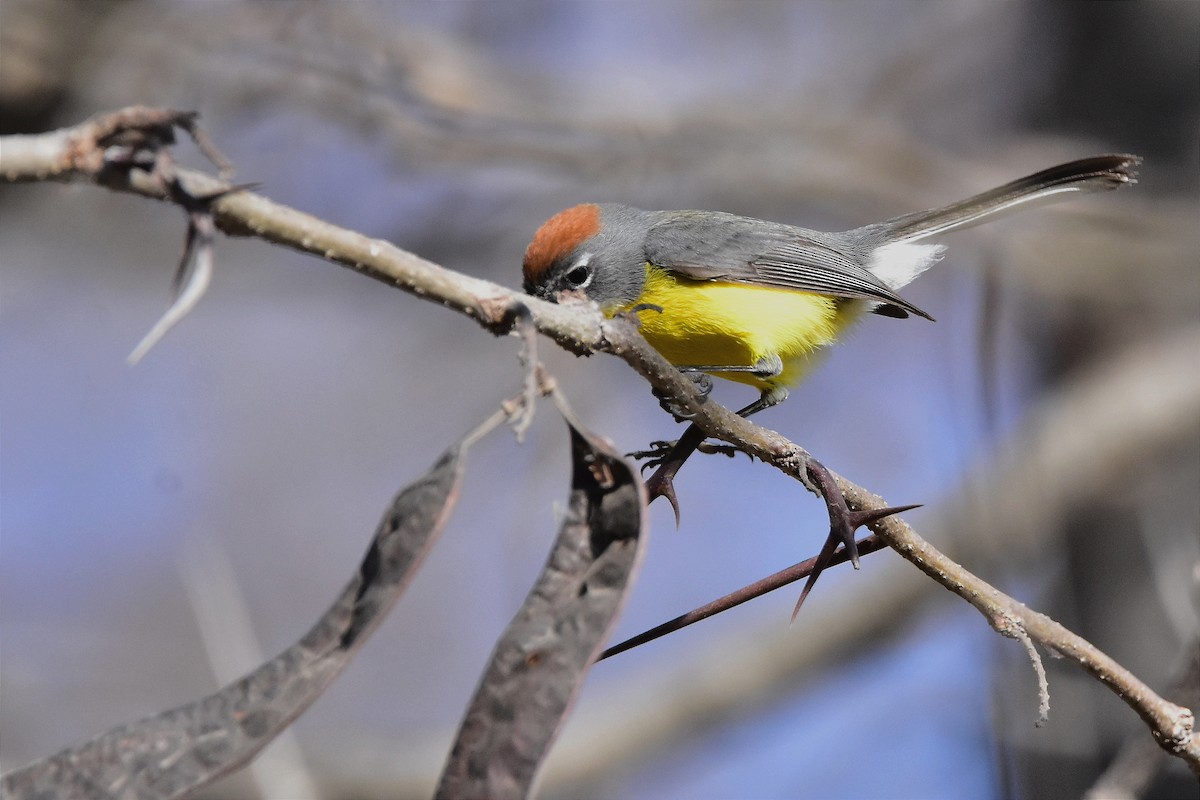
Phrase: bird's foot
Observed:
(658, 452)
(667, 458)
(654, 455)
(704, 386)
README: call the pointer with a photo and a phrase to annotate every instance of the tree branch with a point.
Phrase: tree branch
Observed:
(77, 154)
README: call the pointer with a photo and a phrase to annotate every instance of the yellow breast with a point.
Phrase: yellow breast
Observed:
(707, 323)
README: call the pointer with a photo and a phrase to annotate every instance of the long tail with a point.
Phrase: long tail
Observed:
(1095, 174)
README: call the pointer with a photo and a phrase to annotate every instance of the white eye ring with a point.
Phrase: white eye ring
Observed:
(580, 263)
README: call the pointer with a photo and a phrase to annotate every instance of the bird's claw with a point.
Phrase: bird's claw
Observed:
(714, 449)
(667, 458)
(655, 454)
(632, 314)
(704, 386)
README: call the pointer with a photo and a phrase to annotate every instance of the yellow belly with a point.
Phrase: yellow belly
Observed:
(707, 323)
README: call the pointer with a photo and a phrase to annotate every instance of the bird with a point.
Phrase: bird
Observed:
(755, 301)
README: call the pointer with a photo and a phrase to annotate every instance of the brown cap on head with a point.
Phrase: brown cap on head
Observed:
(559, 235)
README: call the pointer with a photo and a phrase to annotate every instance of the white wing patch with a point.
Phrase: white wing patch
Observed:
(898, 263)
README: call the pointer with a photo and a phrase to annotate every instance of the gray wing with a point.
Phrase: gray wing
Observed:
(711, 246)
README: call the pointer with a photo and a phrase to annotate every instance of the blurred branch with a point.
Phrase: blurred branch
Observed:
(73, 155)
(1073, 448)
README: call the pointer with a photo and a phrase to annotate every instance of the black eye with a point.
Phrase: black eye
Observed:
(578, 276)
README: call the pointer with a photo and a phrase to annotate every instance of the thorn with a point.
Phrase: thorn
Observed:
(842, 524)
(875, 514)
(661, 483)
(842, 521)
(191, 281)
(857, 519)
(664, 488)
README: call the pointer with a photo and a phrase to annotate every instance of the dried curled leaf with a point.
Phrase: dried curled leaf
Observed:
(184, 748)
(540, 662)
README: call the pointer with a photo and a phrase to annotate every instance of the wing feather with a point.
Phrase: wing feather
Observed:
(711, 246)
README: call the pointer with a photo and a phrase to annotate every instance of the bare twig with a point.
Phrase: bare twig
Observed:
(65, 155)
(1016, 631)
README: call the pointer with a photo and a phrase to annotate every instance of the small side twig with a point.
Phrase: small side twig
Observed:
(1013, 629)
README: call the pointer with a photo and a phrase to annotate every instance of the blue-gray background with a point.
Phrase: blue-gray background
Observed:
(249, 456)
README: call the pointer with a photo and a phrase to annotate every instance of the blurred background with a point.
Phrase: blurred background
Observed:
(163, 528)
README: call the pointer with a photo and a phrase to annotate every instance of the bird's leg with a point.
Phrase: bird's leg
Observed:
(662, 482)
(766, 368)
(770, 366)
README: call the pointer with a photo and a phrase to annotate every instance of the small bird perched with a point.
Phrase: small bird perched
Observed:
(753, 301)
(750, 300)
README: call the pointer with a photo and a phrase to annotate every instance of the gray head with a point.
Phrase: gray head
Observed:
(597, 249)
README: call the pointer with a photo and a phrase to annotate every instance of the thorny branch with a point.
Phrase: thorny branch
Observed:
(77, 154)
(866, 545)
